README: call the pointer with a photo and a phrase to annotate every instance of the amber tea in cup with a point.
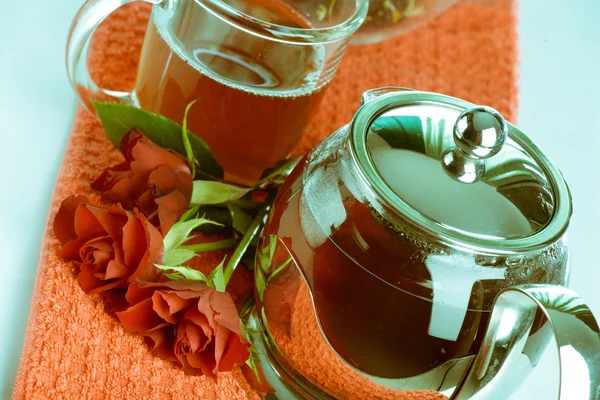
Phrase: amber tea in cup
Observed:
(256, 69)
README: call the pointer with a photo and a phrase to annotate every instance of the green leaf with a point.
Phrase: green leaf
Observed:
(174, 277)
(178, 256)
(180, 231)
(210, 192)
(276, 272)
(217, 214)
(249, 257)
(189, 153)
(266, 253)
(247, 239)
(191, 213)
(246, 310)
(211, 246)
(217, 278)
(273, 239)
(240, 220)
(252, 362)
(279, 172)
(186, 272)
(246, 203)
(118, 119)
(260, 282)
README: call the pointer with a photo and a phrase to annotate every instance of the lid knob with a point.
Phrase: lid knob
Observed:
(479, 133)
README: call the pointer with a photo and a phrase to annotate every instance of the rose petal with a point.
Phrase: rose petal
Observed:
(64, 229)
(236, 353)
(205, 309)
(160, 342)
(146, 202)
(110, 176)
(181, 350)
(201, 345)
(167, 304)
(111, 221)
(164, 178)
(196, 286)
(91, 284)
(114, 301)
(170, 208)
(148, 156)
(125, 189)
(102, 258)
(146, 270)
(196, 337)
(203, 361)
(136, 294)
(193, 294)
(221, 339)
(85, 222)
(100, 246)
(141, 318)
(129, 141)
(197, 318)
(167, 179)
(225, 311)
(116, 268)
(70, 250)
(134, 241)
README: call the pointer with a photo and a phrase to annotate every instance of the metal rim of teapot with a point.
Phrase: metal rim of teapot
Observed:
(385, 99)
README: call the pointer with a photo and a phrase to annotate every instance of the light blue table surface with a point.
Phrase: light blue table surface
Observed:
(559, 108)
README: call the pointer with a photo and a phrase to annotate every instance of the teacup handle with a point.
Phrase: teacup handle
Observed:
(91, 14)
(507, 336)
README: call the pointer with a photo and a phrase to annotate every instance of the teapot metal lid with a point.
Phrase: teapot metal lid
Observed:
(458, 172)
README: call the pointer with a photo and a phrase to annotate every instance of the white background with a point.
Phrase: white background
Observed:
(559, 109)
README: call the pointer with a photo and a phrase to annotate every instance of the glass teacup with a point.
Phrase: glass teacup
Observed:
(257, 70)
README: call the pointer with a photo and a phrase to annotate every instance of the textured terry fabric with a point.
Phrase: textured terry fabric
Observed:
(74, 350)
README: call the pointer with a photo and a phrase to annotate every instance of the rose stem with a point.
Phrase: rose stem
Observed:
(211, 246)
(241, 248)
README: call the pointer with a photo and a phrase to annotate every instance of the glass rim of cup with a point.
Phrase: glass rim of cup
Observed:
(286, 34)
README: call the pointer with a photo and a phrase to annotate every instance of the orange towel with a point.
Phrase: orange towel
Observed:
(74, 350)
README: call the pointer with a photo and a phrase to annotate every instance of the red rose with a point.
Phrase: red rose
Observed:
(189, 323)
(111, 247)
(152, 178)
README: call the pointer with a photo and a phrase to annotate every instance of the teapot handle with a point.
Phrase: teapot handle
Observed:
(575, 330)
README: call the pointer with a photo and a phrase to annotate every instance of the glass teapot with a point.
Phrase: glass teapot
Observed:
(420, 247)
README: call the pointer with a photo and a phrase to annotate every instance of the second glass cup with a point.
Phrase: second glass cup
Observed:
(257, 70)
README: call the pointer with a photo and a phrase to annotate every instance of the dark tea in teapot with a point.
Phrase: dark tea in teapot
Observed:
(420, 247)
(387, 246)
(373, 285)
